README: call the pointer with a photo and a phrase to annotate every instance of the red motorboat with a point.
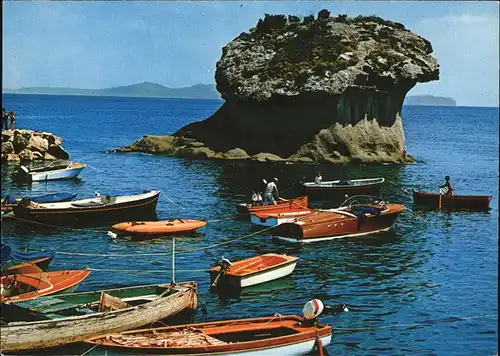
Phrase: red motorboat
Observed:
(357, 216)
(21, 287)
(452, 202)
(282, 205)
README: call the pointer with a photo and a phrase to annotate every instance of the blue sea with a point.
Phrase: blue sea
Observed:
(428, 286)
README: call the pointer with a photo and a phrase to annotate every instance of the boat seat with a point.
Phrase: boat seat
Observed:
(109, 303)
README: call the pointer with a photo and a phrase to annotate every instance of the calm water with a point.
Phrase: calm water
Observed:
(428, 286)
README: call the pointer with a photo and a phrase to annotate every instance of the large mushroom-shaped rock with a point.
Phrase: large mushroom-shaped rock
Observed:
(315, 90)
(38, 143)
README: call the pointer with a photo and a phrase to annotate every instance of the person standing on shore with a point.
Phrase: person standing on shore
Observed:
(5, 116)
(12, 118)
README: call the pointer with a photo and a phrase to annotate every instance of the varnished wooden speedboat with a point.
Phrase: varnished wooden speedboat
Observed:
(278, 335)
(277, 218)
(452, 202)
(102, 209)
(67, 318)
(22, 287)
(252, 271)
(353, 218)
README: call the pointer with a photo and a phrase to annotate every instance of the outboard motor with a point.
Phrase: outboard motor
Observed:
(224, 264)
(25, 169)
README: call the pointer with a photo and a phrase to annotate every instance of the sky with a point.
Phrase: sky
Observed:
(97, 44)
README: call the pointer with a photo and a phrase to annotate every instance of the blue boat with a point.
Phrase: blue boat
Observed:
(10, 258)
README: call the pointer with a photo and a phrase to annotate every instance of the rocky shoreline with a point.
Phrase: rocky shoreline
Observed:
(313, 90)
(29, 145)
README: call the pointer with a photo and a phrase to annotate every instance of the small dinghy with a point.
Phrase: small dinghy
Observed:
(53, 172)
(22, 287)
(452, 202)
(252, 271)
(12, 260)
(275, 219)
(163, 227)
(281, 205)
(289, 335)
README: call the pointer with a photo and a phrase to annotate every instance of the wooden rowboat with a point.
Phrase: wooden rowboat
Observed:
(453, 202)
(100, 210)
(9, 203)
(53, 172)
(274, 219)
(282, 205)
(252, 271)
(68, 318)
(21, 287)
(352, 218)
(164, 227)
(278, 335)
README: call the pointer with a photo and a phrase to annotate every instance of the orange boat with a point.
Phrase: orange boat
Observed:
(163, 227)
(22, 287)
(289, 335)
(282, 205)
(252, 271)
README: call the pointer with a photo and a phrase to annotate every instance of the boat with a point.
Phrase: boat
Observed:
(11, 260)
(281, 205)
(21, 287)
(102, 209)
(358, 216)
(345, 186)
(252, 271)
(276, 218)
(8, 203)
(452, 202)
(74, 317)
(52, 172)
(153, 228)
(289, 335)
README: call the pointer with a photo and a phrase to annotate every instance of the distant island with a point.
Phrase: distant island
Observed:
(146, 89)
(198, 91)
(429, 100)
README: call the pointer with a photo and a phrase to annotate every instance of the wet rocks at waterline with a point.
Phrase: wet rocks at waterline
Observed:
(28, 145)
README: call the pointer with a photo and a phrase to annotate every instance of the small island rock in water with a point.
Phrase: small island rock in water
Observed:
(322, 90)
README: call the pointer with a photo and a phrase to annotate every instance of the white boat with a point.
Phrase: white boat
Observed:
(252, 271)
(274, 219)
(53, 172)
(341, 185)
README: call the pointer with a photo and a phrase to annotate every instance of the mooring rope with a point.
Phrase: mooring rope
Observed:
(181, 251)
(148, 270)
(170, 200)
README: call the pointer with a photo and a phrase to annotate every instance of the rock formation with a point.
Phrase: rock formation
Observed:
(320, 90)
(27, 145)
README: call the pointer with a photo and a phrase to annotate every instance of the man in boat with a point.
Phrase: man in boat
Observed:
(318, 179)
(270, 192)
(447, 187)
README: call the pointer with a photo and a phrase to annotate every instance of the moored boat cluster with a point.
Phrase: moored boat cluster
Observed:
(120, 318)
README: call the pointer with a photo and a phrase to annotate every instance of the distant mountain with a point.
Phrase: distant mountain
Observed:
(429, 100)
(146, 89)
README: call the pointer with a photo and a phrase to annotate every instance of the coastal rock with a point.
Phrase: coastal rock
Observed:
(28, 145)
(263, 157)
(325, 90)
(236, 153)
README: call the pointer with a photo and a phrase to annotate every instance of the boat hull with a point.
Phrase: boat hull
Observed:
(281, 206)
(455, 202)
(288, 335)
(93, 215)
(336, 224)
(25, 336)
(355, 187)
(164, 227)
(276, 219)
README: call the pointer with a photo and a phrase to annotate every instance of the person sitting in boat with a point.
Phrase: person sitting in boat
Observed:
(447, 187)
(318, 179)
(270, 192)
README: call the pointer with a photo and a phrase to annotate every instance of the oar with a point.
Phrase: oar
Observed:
(440, 199)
